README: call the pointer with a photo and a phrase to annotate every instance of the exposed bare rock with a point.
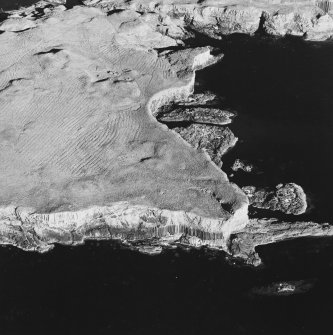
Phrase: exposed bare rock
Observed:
(78, 95)
(309, 21)
(198, 115)
(322, 28)
(206, 99)
(284, 288)
(214, 140)
(209, 17)
(147, 228)
(217, 21)
(240, 165)
(216, 18)
(289, 198)
(265, 231)
(177, 19)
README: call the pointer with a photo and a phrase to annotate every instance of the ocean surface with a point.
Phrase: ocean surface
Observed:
(281, 90)
(101, 288)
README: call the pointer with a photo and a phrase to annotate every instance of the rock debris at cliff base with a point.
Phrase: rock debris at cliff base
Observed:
(83, 155)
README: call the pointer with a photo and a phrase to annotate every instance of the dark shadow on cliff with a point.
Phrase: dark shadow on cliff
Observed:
(282, 91)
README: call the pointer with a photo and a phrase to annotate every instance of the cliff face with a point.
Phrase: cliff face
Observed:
(217, 18)
(310, 19)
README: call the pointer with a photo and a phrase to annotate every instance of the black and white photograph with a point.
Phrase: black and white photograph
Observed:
(166, 167)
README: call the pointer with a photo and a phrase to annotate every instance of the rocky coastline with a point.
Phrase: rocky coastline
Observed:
(188, 135)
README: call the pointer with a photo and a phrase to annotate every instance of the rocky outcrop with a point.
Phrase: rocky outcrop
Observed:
(312, 23)
(122, 221)
(216, 19)
(202, 108)
(177, 19)
(240, 165)
(197, 115)
(289, 198)
(198, 121)
(266, 231)
(284, 288)
(215, 141)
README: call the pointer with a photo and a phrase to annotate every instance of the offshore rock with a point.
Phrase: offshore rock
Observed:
(289, 198)
(214, 140)
(285, 288)
(240, 165)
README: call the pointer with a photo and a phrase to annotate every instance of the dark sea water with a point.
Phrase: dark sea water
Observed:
(282, 92)
(101, 288)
